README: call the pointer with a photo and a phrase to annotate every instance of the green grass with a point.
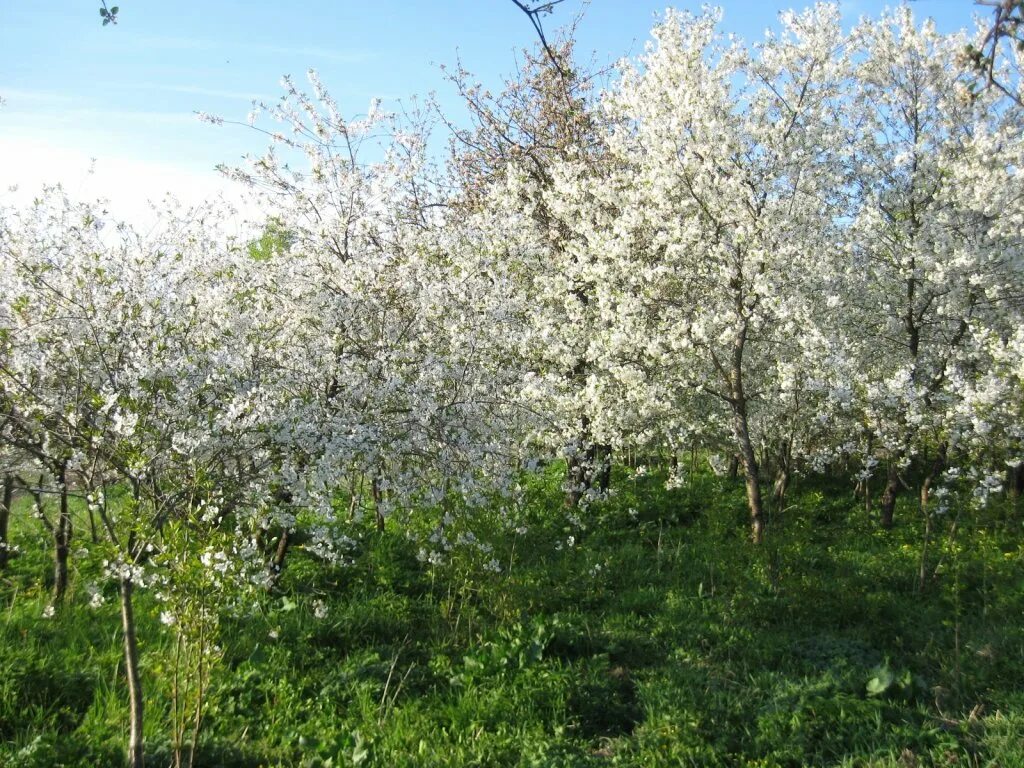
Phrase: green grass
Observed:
(661, 638)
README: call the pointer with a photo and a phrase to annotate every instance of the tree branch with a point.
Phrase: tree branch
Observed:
(534, 13)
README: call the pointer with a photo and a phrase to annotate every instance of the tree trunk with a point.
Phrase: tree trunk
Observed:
(936, 467)
(604, 470)
(355, 500)
(933, 472)
(277, 564)
(136, 755)
(863, 491)
(378, 500)
(781, 486)
(60, 569)
(575, 480)
(1015, 483)
(5, 517)
(864, 486)
(734, 466)
(741, 431)
(61, 539)
(751, 474)
(887, 504)
(93, 535)
(579, 467)
(282, 496)
(782, 473)
(752, 479)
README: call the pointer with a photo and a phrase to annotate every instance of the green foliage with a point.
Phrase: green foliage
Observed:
(109, 15)
(661, 638)
(274, 240)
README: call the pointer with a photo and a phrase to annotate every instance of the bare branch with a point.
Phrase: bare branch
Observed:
(534, 13)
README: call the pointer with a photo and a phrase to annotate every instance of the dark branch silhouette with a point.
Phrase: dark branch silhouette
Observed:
(534, 13)
(1007, 27)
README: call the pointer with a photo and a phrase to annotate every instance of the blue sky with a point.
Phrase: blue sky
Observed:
(125, 95)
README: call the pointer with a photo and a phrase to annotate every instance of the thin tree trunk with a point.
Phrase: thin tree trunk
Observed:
(922, 571)
(933, 472)
(579, 468)
(277, 564)
(781, 486)
(37, 499)
(136, 755)
(741, 430)
(5, 517)
(887, 504)
(751, 477)
(284, 497)
(60, 568)
(356, 499)
(764, 461)
(783, 473)
(604, 472)
(575, 471)
(93, 535)
(378, 500)
(865, 485)
(734, 466)
(578, 480)
(61, 539)
(867, 497)
(1015, 484)
(936, 467)
(751, 473)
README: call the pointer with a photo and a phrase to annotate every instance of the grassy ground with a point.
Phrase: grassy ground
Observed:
(657, 636)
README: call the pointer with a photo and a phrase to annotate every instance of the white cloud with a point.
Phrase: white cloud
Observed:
(128, 184)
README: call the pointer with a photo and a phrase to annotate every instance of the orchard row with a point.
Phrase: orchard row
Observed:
(803, 255)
